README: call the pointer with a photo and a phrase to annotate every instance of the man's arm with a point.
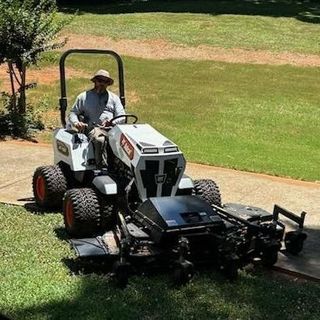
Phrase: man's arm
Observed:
(75, 112)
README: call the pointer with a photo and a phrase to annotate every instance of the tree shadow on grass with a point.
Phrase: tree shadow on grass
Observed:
(33, 208)
(210, 296)
(61, 233)
(306, 11)
(257, 294)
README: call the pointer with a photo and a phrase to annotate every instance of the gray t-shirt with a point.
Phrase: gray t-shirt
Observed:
(96, 107)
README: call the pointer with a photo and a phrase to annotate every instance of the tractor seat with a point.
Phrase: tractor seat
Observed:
(77, 136)
(71, 131)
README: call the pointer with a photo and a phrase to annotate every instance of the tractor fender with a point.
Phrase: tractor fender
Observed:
(74, 149)
(186, 182)
(105, 185)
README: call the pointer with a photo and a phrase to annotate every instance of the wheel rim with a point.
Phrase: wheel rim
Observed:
(69, 213)
(41, 187)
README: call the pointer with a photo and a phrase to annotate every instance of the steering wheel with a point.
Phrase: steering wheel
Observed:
(126, 116)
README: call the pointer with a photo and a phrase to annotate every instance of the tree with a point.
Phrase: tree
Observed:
(27, 28)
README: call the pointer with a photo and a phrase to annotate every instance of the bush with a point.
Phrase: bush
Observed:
(15, 124)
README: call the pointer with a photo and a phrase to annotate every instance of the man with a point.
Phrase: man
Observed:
(97, 107)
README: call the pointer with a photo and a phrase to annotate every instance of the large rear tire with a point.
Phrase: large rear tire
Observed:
(207, 190)
(81, 212)
(49, 185)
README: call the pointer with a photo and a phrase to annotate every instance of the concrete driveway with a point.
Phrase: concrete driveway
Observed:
(19, 160)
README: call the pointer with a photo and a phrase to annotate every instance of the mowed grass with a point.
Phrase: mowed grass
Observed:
(250, 117)
(265, 25)
(37, 283)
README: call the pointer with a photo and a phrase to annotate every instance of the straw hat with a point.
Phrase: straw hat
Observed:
(103, 74)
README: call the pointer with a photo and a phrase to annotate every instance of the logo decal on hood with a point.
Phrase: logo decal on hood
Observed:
(126, 146)
(62, 148)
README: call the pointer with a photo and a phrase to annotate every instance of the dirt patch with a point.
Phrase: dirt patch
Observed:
(46, 75)
(133, 97)
(161, 49)
(49, 75)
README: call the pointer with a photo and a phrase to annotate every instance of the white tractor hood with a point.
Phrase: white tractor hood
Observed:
(145, 136)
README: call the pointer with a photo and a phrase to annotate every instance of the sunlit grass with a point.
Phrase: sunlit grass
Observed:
(249, 117)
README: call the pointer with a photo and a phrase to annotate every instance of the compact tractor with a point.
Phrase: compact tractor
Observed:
(143, 208)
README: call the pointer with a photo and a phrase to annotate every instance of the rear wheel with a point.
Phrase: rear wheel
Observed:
(81, 211)
(208, 190)
(49, 185)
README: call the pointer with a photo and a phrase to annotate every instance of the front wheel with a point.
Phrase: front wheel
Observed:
(81, 212)
(208, 191)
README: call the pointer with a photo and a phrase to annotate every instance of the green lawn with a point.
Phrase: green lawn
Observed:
(249, 117)
(267, 25)
(36, 283)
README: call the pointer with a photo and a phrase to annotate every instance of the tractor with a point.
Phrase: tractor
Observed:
(143, 208)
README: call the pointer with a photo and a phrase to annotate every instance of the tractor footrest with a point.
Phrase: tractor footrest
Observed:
(136, 232)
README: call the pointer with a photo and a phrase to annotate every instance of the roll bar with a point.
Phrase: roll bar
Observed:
(63, 99)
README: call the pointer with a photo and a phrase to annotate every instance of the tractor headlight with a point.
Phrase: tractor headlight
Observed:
(171, 149)
(150, 150)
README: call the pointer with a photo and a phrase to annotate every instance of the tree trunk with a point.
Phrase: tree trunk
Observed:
(13, 90)
(22, 98)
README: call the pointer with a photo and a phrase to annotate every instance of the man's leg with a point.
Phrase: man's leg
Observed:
(99, 139)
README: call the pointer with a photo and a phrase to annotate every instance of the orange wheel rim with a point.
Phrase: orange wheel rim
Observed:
(69, 213)
(41, 187)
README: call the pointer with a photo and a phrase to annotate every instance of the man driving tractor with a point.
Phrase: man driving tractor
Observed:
(94, 108)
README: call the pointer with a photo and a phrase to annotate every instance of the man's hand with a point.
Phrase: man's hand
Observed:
(106, 123)
(80, 125)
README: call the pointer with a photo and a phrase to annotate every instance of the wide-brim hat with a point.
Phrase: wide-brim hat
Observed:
(103, 74)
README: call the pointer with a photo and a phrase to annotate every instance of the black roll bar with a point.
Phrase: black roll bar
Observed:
(63, 99)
